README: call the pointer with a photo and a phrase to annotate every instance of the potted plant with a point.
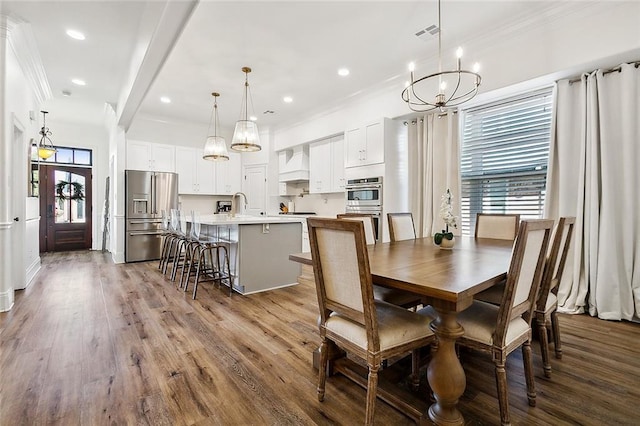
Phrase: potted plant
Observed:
(445, 239)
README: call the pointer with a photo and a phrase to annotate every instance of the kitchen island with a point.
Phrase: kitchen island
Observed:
(259, 248)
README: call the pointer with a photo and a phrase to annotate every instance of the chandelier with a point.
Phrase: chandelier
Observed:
(45, 146)
(444, 89)
(215, 148)
(245, 137)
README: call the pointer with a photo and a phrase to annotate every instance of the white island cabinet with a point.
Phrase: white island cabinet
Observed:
(259, 249)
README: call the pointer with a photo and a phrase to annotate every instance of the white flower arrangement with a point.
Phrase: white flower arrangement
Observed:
(446, 211)
(446, 214)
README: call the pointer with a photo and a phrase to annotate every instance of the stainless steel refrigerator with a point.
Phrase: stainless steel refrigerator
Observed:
(148, 194)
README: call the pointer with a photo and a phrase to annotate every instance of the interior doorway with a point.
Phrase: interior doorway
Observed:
(254, 185)
(65, 208)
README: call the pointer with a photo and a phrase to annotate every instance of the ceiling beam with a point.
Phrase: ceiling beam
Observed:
(147, 63)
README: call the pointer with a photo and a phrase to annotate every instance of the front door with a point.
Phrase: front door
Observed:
(65, 208)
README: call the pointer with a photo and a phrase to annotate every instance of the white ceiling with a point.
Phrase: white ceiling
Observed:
(294, 48)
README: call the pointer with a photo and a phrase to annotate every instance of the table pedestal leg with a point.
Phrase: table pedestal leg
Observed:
(445, 374)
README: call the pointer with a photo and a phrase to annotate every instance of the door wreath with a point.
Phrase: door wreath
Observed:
(76, 190)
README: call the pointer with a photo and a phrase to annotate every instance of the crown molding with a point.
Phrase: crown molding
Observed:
(24, 46)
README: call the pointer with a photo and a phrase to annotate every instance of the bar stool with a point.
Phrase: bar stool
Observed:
(206, 258)
(179, 254)
(170, 239)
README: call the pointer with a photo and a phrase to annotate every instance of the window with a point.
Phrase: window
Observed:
(66, 155)
(504, 156)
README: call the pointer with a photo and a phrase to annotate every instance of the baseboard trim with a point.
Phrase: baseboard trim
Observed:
(6, 300)
(33, 270)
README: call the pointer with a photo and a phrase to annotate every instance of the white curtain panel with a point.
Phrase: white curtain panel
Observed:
(434, 159)
(594, 174)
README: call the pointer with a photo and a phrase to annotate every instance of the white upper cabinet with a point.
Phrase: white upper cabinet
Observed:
(150, 156)
(320, 167)
(326, 165)
(229, 175)
(365, 144)
(195, 175)
(337, 164)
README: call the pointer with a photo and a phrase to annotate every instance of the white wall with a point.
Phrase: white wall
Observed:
(23, 260)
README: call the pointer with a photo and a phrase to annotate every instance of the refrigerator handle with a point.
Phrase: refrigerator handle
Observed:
(153, 194)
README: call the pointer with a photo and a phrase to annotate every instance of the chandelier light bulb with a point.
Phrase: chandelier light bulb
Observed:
(412, 66)
(443, 86)
(459, 52)
(476, 67)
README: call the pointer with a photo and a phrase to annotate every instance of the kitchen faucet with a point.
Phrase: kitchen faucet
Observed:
(233, 202)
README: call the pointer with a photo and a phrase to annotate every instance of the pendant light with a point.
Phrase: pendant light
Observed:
(245, 136)
(444, 89)
(45, 146)
(215, 149)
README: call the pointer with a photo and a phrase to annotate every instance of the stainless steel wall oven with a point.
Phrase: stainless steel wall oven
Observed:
(365, 196)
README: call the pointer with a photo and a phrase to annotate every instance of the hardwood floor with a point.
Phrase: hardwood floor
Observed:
(90, 342)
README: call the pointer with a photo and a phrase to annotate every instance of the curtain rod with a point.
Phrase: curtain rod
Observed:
(605, 72)
(440, 115)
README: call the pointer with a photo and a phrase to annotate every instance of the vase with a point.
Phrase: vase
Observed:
(447, 244)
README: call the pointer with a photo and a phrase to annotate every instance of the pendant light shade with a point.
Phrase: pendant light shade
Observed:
(245, 136)
(215, 148)
(45, 146)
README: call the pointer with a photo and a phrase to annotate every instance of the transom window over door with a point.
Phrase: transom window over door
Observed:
(504, 157)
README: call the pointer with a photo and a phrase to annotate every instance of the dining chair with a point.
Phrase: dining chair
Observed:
(498, 226)
(350, 317)
(367, 220)
(389, 295)
(546, 310)
(547, 305)
(401, 226)
(499, 330)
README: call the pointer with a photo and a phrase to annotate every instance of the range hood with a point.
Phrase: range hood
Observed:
(294, 164)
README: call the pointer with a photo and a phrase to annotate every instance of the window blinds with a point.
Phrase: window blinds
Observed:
(504, 156)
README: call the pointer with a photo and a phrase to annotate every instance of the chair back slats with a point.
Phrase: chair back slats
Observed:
(498, 226)
(401, 226)
(556, 260)
(341, 270)
(524, 275)
(367, 221)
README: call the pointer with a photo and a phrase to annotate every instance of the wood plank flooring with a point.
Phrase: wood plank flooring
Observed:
(94, 343)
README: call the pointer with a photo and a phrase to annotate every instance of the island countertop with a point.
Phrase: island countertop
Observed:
(225, 219)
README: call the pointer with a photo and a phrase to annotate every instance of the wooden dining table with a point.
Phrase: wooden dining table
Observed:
(447, 280)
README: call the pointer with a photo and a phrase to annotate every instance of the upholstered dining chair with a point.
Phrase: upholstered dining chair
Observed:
(547, 305)
(367, 220)
(401, 226)
(546, 310)
(498, 226)
(350, 317)
(389, 295)
(499, 330)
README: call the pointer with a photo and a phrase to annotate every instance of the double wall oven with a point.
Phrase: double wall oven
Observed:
(364, 196)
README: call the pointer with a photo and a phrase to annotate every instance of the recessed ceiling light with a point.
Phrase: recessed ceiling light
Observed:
(343, 72)
(288, 99)
(79, 82)
(66, 93)
(75, 34)
(253, 118)
(165, 100)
